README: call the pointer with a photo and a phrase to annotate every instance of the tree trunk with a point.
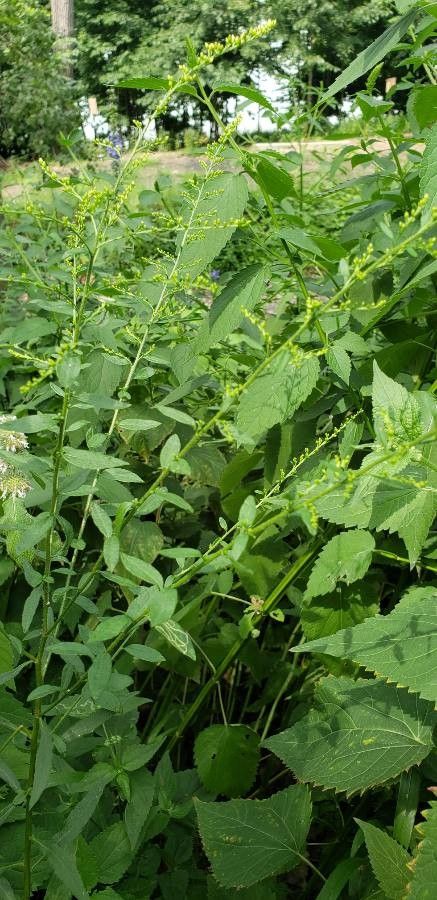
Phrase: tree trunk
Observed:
(63, 27)
(62, 18)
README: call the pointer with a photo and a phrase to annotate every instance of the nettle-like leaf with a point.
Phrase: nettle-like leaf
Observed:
(422, 881)
(249, 840)
(276, 394)
(360, 734)
(400, 647)
(346, 557)
(388, 860)
(396, 414)
(428, 179)
(227, 758)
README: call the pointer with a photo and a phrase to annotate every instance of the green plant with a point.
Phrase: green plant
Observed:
(207, 469)
(38, 102)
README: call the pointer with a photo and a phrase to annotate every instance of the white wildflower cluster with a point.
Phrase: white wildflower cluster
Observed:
(12, 483)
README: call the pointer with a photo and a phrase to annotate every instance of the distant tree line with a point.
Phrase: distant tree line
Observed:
(53, 54)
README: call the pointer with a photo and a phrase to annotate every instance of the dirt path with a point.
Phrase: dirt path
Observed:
(176, 163)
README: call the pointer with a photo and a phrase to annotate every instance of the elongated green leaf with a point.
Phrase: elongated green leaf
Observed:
(150, 83)
(43, 764)
(91, 459)
(360, 734)
(243, 90)
(346, 557)
(225, 316)
(249, 840)
(138, 808)
(220, 203)
(422, 883)
(99, 674)
(227, 758)
(371, 56)
(388, 860)
(276, 394)
(81, 814)
(401, 647)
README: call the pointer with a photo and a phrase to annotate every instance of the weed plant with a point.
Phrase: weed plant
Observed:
(218, 477)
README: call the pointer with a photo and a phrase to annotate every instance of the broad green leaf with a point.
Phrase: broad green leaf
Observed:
(158, 605)
(35, 532)
(91, 459)
(372, 55)
(276, 394)
(422, 106)
(249, 840)
(68, 369)
(109, 628)
(142, 540)
(428, 179)
(43, 764)
(401, 647)
(347, 605)
(346, 557)
(275, 180)
(227, 758)
(423, 869)
(359, 734)
(388, 860)
(113, 853)
(396, 413)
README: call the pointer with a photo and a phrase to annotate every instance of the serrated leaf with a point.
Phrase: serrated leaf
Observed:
(249, 840)
(428, 168)
(6, 653)
(388, 860)
(276, 394)
(346, 557)
(372, 55)
(91, 459)
(358, 735)
(422, 883)
(113, 853)
(227, 757)
(62, 860)
(396, 413)
(348, 605)
(401, 647)
(81, 813)
(339, 361)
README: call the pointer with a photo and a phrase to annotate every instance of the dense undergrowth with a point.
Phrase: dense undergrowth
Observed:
(218, 480)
